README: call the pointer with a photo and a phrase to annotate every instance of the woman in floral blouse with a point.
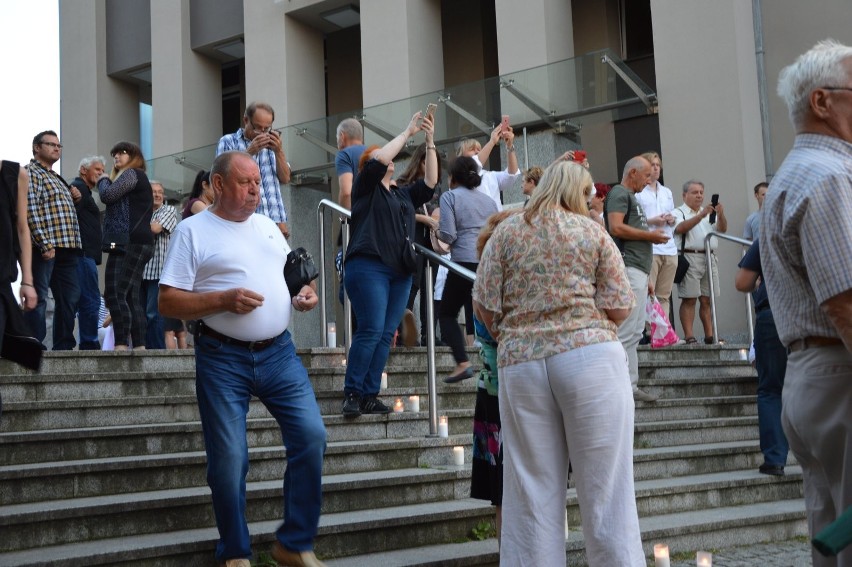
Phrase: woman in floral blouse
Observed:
(551, 288)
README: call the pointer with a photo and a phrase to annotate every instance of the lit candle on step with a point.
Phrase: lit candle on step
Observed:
(331, 335)
(704, 559)
(398, 407)
(458, 456)
(661, 555)
(743, 354)
(414, 403)
(384, 384)
(344, 362)
(443, 427)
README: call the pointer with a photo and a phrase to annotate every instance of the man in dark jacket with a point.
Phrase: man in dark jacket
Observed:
(89, 219)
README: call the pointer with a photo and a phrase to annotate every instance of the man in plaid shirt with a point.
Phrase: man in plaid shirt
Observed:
(56, 243)
(259, 140)
(163, 222)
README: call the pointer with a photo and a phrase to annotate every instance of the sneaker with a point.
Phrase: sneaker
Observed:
(351, 405)
(641, 396)
(409, 335)
(285, 557)
(773, 470)
(373, 405)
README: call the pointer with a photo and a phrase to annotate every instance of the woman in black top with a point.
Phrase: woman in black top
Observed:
(379, 262)
(128, 240)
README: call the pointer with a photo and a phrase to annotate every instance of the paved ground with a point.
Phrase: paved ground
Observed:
(793, 553)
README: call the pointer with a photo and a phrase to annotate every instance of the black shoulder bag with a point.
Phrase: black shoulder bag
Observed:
(682, 262)
(408, 255)
(299, 270)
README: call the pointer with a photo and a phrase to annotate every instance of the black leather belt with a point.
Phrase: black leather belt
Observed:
(811, 342)
(688, 251)
(253, 346)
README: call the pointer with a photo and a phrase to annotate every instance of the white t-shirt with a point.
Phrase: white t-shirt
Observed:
(695, 237)
(655, 204)
(493, 182)
(209, 253)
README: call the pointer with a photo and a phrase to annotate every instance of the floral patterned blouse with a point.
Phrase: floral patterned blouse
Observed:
(549, 283)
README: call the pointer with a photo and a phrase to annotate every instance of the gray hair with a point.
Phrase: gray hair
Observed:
(633, 163)
(155, 182)
(692, 182)
(352, 128)
(222, 163)
(88, 161)
(821, 66)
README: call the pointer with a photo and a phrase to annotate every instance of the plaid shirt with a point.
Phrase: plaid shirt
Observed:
(50, 210)
(271, 205)
(167, 217)
(806, 235)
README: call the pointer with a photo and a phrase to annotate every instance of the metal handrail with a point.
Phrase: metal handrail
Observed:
(707, 255)
(430, 302)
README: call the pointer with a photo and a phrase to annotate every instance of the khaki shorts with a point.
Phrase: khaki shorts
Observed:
(696, 283)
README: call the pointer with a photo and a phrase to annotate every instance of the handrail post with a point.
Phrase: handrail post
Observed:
(708, 258)
(323, 314)
(432, 382)
(347, 306)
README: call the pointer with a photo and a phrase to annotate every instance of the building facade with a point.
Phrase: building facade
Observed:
(178, 74)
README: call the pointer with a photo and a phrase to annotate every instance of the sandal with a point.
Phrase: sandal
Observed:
(691, 340)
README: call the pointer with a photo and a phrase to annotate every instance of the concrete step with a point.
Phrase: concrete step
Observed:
(340, 534)
(37, 482)
(698, 431)
(58, 522)
(726, 352)
(687, 384)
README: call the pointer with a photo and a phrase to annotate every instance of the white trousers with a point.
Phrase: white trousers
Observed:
(630, 330)
(579, 401)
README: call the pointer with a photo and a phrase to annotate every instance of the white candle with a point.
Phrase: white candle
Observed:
(743, 354)
(704, 559)
(344, 362)
(414, 403)
(398, 407)
(661, 555)
(458, 456)
(443, 427)
(331, 335)
(384, 385)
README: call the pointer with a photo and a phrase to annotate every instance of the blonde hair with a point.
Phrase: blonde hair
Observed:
(565, 185)
(650, 157)
(465, 145)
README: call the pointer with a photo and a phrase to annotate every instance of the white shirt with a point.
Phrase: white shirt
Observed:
(657, 203)
(493, 182)
(209, 253)
(695, 237)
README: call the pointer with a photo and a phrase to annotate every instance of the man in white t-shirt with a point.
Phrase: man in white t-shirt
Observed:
(225, 268)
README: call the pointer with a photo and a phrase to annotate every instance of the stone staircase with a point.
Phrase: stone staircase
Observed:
(102, 463)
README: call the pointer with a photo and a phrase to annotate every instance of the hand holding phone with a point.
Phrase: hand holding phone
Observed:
(714, 200)
(430, 111)
(504, 124)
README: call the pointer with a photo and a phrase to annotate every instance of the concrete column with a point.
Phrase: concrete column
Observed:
(186, 86)
(401, 50)
(549, 34)
(710, 117)
(105, 110)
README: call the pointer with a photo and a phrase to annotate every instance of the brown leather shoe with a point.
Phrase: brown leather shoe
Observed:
(286, 558)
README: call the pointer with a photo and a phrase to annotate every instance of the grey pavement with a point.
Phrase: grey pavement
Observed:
(792, 553)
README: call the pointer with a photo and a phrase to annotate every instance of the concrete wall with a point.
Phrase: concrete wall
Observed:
(214, 21)
(709, 116)
(128, 34)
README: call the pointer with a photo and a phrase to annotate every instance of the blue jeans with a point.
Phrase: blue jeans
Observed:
(378, 295)
(771, 362)
(90, 304)
(60, 276)
(226, 378)
(155, 336)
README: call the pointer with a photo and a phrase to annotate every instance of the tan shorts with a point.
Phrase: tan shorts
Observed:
(696, 282)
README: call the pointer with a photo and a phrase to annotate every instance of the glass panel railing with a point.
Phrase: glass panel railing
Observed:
(561, 96)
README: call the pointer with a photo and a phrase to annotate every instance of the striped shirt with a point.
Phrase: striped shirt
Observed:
(271, 205)
(806, 235)
(50, 210)
(167, 217)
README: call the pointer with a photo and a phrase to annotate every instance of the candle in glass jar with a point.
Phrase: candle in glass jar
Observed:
(704, 559)
(414, 402)
(398, 407)
(331, 335)
(443, 427)
(384, 383)
(661, 555)
(458, 456)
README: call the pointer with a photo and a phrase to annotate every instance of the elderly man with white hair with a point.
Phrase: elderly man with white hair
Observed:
(806, 252)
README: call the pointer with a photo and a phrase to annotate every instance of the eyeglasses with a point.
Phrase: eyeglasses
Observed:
(52, 145)
(120, 153)
(259, 129)
(836, 88)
